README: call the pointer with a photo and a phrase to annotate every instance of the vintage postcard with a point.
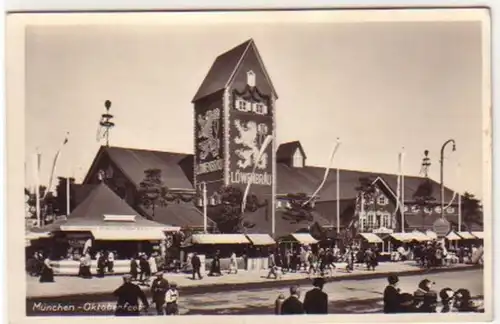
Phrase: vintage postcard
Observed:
(319, 164)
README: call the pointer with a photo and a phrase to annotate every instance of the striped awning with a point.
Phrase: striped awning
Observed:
(453, 236)
(466, 235)
(371, 238)
(479, 235)
(261, 239)
(304, 238)
(219, 239)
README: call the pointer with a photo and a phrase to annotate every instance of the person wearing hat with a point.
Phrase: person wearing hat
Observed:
(159, 288)
(447, 296)
(424, 287)
(316, 300)
(292, 305)
(171, 298)
(464, 302)
(278, 303)
(128, 295)
(392, 294)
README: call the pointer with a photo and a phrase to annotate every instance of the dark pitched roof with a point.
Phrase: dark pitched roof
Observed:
(260, 222)
(328, 209)
(82, 191)
(133, 163)
(103, 201)
(179, 214)
(175, 171)
(222, 70)
(286, 150)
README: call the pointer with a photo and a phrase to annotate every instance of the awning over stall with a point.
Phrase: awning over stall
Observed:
(419, 236)
(371, 238)
(452, 236)
(402, 237)
(466, 235)
(432, 235)
(128, 234)
(36, 236)
(304, 238)
(219, 239)
(479, 235)
(261, 239)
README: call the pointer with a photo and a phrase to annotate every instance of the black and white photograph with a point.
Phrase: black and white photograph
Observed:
(333, 162)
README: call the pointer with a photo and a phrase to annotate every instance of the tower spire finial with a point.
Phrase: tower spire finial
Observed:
(426, 163)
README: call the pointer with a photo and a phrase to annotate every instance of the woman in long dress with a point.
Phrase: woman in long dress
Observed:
(233, 264)
(152, 264)
(47, 274)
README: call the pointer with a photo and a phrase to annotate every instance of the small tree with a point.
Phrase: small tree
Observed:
(152, 190)
(231, 218)
(424, 198)
(472, 210)
(48, 204)
(298, 211)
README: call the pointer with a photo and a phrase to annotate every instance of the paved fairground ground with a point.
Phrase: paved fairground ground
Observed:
(345, 297)
(75, 287)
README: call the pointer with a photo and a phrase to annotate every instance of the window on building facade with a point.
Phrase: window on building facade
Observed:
(386, 220)
(370, 220)
(414, 209)
(251, 78)
(279, 204)
(288, 204)
(406, 208)
(382, 201)
(450, 210)
(427, 210)
(243, 105)
(438, 209)
(298, 159)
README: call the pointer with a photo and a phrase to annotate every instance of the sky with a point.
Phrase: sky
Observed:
(378, 86)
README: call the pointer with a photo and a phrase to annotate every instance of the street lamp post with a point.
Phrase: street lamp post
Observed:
(442, 169)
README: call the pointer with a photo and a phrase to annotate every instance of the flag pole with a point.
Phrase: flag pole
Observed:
(204, 189)
(338, 200)
(67, 196)
(37, 188)
(459, 202)
(402, 206)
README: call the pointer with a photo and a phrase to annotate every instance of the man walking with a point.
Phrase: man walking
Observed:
(196, 264)
(159, 288)
(316, 300)
(128, 296)
(292, 305)
(272, 267)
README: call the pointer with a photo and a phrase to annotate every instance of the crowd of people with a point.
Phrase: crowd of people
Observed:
(322, 262)
(425, 299)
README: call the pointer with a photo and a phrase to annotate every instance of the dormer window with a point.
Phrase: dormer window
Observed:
(298, 159)
(251, 78)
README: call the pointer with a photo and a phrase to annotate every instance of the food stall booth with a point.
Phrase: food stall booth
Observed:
(207, 245)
